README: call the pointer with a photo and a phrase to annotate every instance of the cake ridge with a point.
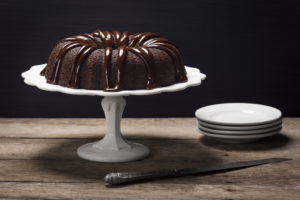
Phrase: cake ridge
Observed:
(138, 44)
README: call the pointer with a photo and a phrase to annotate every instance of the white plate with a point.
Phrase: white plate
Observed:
(239, 139)
(239, 128)
(244, 132)
(238, 114)
(32, 77)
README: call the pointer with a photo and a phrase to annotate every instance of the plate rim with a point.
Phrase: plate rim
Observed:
(255, 136)
(237, 123)
(249, 132)
(239, 128)
(32, 77)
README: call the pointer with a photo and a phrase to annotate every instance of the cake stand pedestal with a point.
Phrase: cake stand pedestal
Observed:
(113, 147)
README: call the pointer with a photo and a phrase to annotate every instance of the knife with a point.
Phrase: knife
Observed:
(116, 178)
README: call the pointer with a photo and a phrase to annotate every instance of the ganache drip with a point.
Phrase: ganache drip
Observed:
(138, 44)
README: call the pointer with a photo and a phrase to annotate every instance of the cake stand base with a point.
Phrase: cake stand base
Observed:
(113, 147)
(134, 152)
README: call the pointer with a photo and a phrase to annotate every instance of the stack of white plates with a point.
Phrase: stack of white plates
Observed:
(239, 122)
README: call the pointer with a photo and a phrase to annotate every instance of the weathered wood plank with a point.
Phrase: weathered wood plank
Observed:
(38, 161)
(278, 145)
(54, 171)
(181, 128)
(56, 160)
(147, 191)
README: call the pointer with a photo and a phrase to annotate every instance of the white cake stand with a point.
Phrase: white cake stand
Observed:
(113, 147)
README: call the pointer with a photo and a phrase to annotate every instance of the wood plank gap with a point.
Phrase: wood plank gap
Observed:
(98, 138)
(10, 181)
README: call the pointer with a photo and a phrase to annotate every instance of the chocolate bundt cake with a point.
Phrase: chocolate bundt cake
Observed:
(114, 61)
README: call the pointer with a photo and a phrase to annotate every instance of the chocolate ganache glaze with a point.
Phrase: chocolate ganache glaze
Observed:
(142, 45)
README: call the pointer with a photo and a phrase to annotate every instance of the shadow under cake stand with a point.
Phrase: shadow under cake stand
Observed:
(113, 147)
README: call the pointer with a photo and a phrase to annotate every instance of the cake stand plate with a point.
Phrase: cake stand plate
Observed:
(113, 147)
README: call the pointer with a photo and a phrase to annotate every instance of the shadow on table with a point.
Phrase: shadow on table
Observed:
(61, 160)
(274, 142)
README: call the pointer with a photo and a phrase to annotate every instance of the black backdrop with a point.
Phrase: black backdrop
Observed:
(248, 49)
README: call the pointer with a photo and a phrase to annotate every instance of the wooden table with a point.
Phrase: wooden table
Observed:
(38, 161)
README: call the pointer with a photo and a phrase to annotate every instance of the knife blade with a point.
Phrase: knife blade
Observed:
(116, 178)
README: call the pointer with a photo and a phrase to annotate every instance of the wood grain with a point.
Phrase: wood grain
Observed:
(30, 190)
(95, 128)
(38, 161)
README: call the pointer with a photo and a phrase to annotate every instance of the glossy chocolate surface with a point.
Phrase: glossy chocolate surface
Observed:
(138, 44)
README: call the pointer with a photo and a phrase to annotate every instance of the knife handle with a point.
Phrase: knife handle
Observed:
(126, 177)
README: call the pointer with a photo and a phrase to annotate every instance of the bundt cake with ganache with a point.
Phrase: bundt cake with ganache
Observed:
(114, 61)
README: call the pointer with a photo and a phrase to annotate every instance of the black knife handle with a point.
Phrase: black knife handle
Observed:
(126, 177)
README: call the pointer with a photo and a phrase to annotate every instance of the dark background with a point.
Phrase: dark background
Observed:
(248, 49)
